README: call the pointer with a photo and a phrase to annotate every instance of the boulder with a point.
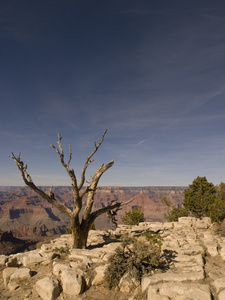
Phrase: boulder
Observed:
(171, 277)
(178, 291)
(48, 288)
(33, 257)
(100, 273)
(58, 268)
(196, 259)
(158, 297)
(78, 265)
(13, 285)
(128, 283)
(221, 295)
(21, 274)
(219, 284)
(212, 248)
(63, 243)
(179, 226)
(222, 249)
(3, 259)
(73, 283)
(96, 237)
(188, 221)
(191, 250)
(6, 273)
(81, 255)
(203, 223)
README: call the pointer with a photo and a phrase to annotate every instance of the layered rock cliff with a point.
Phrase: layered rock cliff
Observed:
(26, 214)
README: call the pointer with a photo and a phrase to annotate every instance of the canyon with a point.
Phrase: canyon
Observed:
(26, 215)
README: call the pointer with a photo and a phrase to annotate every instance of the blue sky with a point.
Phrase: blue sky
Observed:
(151, 72)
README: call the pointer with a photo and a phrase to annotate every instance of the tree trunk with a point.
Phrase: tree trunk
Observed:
(79, 240)
(79, 234)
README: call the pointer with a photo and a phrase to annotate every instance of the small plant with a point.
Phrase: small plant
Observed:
(176, 213)
(133, 217)
(136, 255)
(61, 250)
(68, 230)
(173, 213)
(92, 226)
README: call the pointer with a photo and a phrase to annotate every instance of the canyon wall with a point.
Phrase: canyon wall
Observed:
(27, 215)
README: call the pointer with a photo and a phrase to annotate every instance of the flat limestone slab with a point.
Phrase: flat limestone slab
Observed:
(179, 291)
(171, 277)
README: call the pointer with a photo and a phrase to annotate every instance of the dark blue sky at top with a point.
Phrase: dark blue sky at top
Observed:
(151, 72)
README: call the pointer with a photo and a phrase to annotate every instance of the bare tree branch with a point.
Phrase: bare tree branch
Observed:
(111, 214)
(66, 166)
(28, 181)
(93, 186)
(111, 207)
(51, 194)
(89, 161)
(70, 157)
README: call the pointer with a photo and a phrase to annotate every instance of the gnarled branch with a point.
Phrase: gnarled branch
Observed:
(89, 160)
(28, 181)
(110, 207)
(93, 187)
(70, 172)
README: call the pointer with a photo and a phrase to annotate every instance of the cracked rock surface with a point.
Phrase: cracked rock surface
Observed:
(196, 270)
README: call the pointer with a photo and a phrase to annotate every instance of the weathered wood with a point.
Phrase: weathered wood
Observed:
(79, 228)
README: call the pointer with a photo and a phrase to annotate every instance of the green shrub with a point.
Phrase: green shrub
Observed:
(136, 255)
(201, 199)
(68, 230)
(61, 250)
(133, 217)
(199, 196)
(217, 211)
(217, 208)
(92, 226)
(176, 213)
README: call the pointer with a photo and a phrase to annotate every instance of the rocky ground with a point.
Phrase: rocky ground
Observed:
(196, 271)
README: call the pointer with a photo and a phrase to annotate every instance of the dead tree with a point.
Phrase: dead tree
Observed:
(80, 226)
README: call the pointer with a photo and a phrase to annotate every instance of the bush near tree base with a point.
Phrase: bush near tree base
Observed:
(136, 255)
(133, 217)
